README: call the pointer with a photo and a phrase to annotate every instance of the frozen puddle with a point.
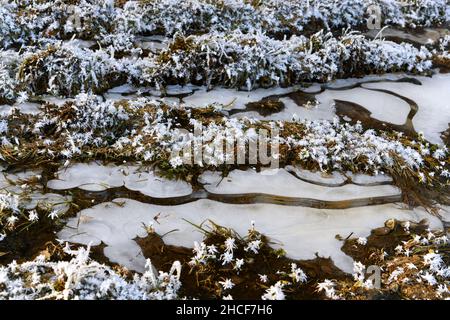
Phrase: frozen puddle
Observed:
(281, 183)
(231, 98)
(423, 37)
(292, 110)
(96, 177)
(31, 195)
(300, 188)
(364, 179)
(152, 43)
(383, 107)
(14, 182)
(300, 231)
(433, 99)
(50, 201)
(336, 179)
(26, 107)
(330, 180)
(235, 99)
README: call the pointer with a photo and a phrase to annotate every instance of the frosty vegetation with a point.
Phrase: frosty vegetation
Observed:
(82, 48)
(150, 131)
(227, 266)
(238, 44)
(83, 279)
(415, 267)
(66, 70)
(232, 59)
(256, 60)
(100, 17)
(25, 206)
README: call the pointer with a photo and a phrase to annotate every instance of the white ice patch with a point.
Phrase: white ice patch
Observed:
(49, 201)
(96, 177)
(383, 107)
(89, 177)
(444, 211)
(317, 112)
(318, 177)
(148, 183)
(282, 183)
(300, 231)
(433, 99)
(177, 89)
(13, 182)
(365, 179)
(81, 43)
(340, 83)
(55, 100)
(152, 43)
(125, 88)
(291, 110)
(232, 98)
(26, 107)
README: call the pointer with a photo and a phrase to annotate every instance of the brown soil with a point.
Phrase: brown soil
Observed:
(381, 239)
(357, 113)
(25, 245)
(442, 63)
(266, 107)
(201, 284)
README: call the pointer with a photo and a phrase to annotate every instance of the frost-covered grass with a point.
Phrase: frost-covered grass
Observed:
(414, 264)
(67, 70)
(232, 43)
(9, 86)
(24, 206)
(256, 60)
(80, 278)
(151, 131)
(9, 205)
(230, 59)
(225, 265)
(442, 53)
(224, 255)
(15, 216)
(283, 17)
(27, 21)
(82, 48)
